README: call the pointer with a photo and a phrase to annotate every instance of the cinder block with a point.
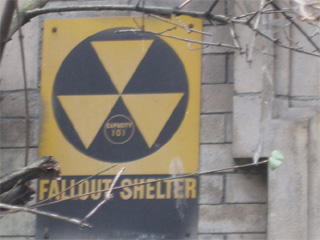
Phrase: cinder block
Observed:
(244, 236)
(13, 132)
(305, 73)
(18, 224)
(211, 189)
(246, 188)
(212, 129)
(11, 65)
(204, 5)
(218, 35)
(246, 125)
(215, 156)
(248, 77)
(210, 237)
(305, 69)
(12, 159)
(216, 98)
(12, 104)
(213, 68)
(232, 218)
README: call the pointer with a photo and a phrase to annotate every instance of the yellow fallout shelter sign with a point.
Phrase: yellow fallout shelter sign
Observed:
(113, 94)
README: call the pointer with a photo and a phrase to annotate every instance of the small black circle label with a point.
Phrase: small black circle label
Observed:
(119, 129)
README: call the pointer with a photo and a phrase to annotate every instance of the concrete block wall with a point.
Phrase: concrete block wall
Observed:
(20, 226)
(286, 123)
(232, 204)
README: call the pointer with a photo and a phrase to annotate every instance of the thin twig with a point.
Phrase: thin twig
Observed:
(265, 53)
(279, 44)
(297, 26)
(183, 25)
(253, 16)
(212, 7)
(317, 32)
(179, 38)
(235, 38)
(107, 197)
(178, 25)
(184, 4)
(287, 36)
(158, 180)
(253, 38)
(163, 11)
(23, 62)
(267, 11)
(143, 15)
(196, 49)
(46, 214)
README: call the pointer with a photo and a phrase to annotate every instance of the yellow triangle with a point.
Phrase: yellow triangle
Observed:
(121, 59)
(87, 113)
(151, 112)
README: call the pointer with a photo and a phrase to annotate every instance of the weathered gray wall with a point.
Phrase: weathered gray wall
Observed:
(233, 204)
(278, 108)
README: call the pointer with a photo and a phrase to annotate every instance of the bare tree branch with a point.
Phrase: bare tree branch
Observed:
(24, 75)
(189, 29)
(5, 24)
(46, 214)
(162, 11)
(253, 38)
(185, 3)
(45, 167)
(107, 197)
(77, 183)
(208, 12)
(279, 44)
(18, 195)
(18, 21)
(154, 181)
(235, 38)
(297, 26)
(179, 38)
(168, 12)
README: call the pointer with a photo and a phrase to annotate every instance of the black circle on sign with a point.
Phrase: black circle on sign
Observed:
(81, 73)
(119, 129)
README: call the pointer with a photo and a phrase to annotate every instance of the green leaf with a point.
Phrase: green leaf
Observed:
(277, 155)
(276, 159)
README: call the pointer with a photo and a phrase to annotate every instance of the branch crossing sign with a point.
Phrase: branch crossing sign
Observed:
(115, 95)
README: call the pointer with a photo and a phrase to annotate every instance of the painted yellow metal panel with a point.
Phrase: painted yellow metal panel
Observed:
(147, 112)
